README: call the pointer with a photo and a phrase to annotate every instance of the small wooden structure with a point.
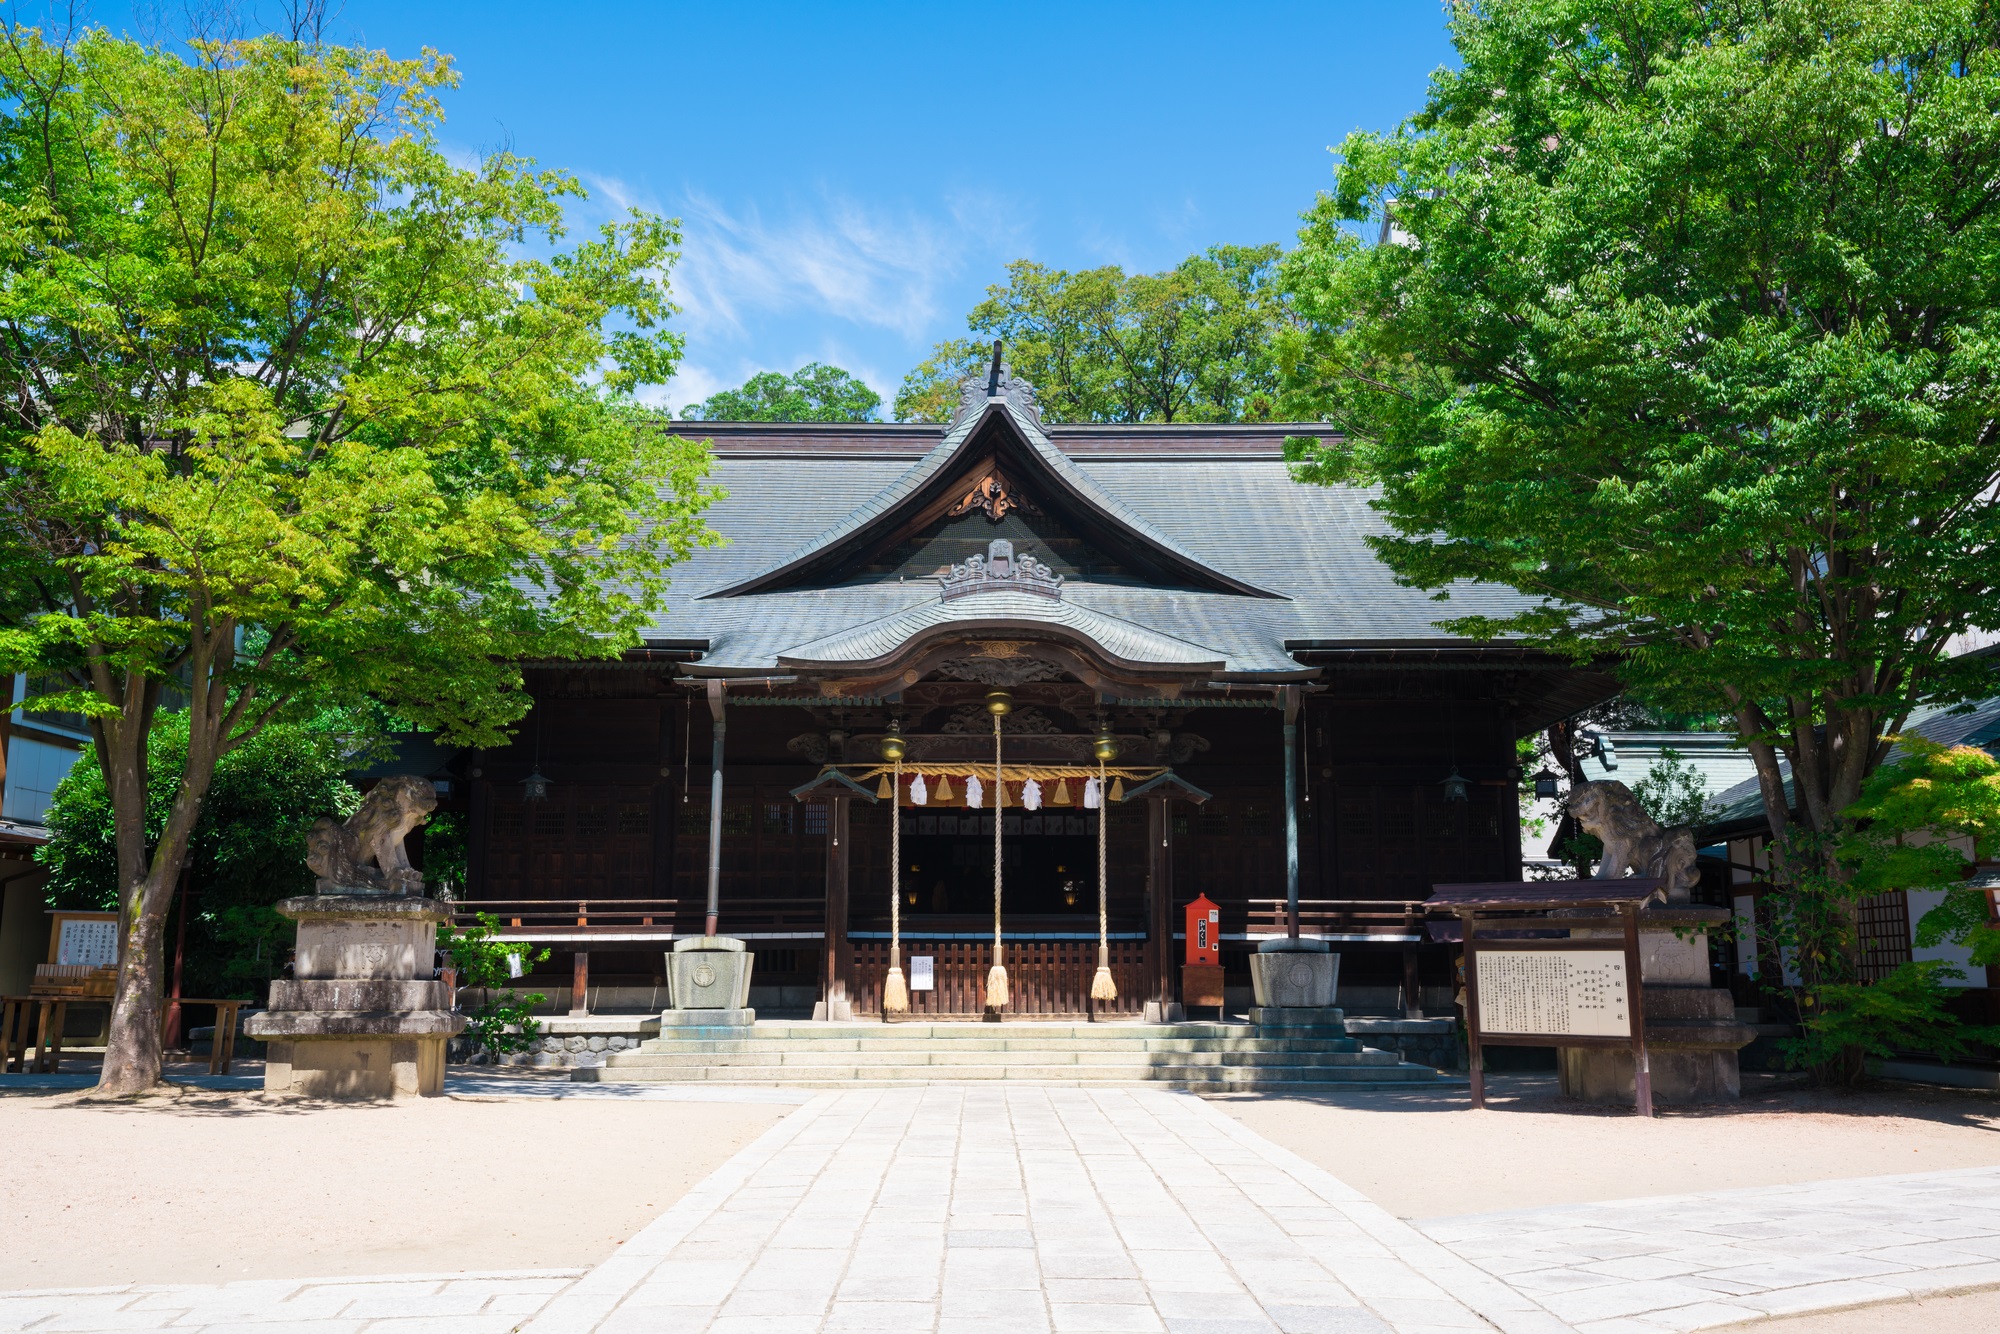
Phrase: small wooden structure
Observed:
(1545, 985)
(222, 1047)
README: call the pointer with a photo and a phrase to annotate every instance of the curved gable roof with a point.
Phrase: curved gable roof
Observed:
(1008, 434)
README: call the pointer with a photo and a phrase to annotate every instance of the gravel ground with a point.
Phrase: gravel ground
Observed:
(207, 1187)
(1429, 1155)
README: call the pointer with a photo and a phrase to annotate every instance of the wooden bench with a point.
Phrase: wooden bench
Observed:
(222, 1048)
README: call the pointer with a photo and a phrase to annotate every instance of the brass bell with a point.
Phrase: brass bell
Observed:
(893, 747)
(999, 703)
(1104, 746)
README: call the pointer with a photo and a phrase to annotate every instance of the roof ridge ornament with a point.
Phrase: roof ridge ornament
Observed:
(996, 381)
(1000, 571)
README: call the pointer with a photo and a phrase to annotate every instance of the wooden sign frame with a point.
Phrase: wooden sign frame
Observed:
(1480, 910)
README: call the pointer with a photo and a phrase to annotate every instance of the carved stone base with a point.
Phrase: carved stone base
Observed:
(1293, 974)
(709, 973)
(362, 1017)
(356, 1067)
(1692, 1038)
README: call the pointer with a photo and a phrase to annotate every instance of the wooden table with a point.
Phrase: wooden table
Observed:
(47, 1030)
(16, 1024)
(222, 1048)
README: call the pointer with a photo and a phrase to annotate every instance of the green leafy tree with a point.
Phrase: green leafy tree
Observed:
(1922, 822)
(1687, 325)
(295, 407)
(812, 393)
(1100, 345)
(244, 853)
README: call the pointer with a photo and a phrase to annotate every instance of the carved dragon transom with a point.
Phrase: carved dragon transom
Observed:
(973, 719)
(1013, 671)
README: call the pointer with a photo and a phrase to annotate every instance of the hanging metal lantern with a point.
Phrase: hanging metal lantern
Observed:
(1545, 784)
(535, 787)
(1456, 787)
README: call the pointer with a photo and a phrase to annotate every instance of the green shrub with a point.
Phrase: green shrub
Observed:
(504, 1021)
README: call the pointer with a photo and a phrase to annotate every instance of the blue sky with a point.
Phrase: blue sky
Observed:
(852, 176)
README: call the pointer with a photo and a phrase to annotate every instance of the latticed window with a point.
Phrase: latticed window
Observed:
(1883, 923)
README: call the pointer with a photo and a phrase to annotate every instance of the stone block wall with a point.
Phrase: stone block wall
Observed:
(1432, 1042)
(570, 1043)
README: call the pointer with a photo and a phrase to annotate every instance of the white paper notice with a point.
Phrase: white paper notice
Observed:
(91, 944)
(922, 978)
(1546, 991)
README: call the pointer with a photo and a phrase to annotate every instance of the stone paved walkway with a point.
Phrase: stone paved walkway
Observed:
(1688, 1262)
(1026, 1210)
(1036, 1210)
(414, 1303)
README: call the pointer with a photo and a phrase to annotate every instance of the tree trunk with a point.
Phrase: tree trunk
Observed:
(132, 1052)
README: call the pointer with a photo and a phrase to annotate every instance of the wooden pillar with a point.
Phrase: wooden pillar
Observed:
(1160, 899)
(834, 970)
(662, 880)
(479, 832)
(579, 984)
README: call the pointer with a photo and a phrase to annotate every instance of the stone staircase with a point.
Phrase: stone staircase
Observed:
(1202, 1057)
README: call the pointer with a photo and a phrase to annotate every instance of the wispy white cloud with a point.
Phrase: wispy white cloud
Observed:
(834, 281)
(867, 266)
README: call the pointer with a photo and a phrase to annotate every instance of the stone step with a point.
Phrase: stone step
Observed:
(806, 1057)
(1006, 1044)
(1210, 1077)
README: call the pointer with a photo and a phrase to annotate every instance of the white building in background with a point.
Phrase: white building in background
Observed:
(39, 749)
(36, 750)
(1887, 921)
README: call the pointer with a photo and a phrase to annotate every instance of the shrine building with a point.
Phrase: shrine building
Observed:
(1161, 607)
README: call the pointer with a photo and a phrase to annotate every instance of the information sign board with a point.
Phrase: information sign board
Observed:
(923, 975)
(1553, 992)
(87, 942)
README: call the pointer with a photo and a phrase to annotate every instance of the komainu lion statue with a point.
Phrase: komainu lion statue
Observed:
(339, 854)
(1633, 843)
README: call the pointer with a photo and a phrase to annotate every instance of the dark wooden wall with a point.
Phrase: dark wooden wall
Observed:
(627, 814)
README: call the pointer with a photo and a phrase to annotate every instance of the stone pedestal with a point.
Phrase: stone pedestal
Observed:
(1294, 974)
(1692, 1035)
(361, 1016)
(708, 973)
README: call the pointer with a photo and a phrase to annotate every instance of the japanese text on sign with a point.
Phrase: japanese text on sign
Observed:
(922, 976)
(1580, 992)
(93, 944)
